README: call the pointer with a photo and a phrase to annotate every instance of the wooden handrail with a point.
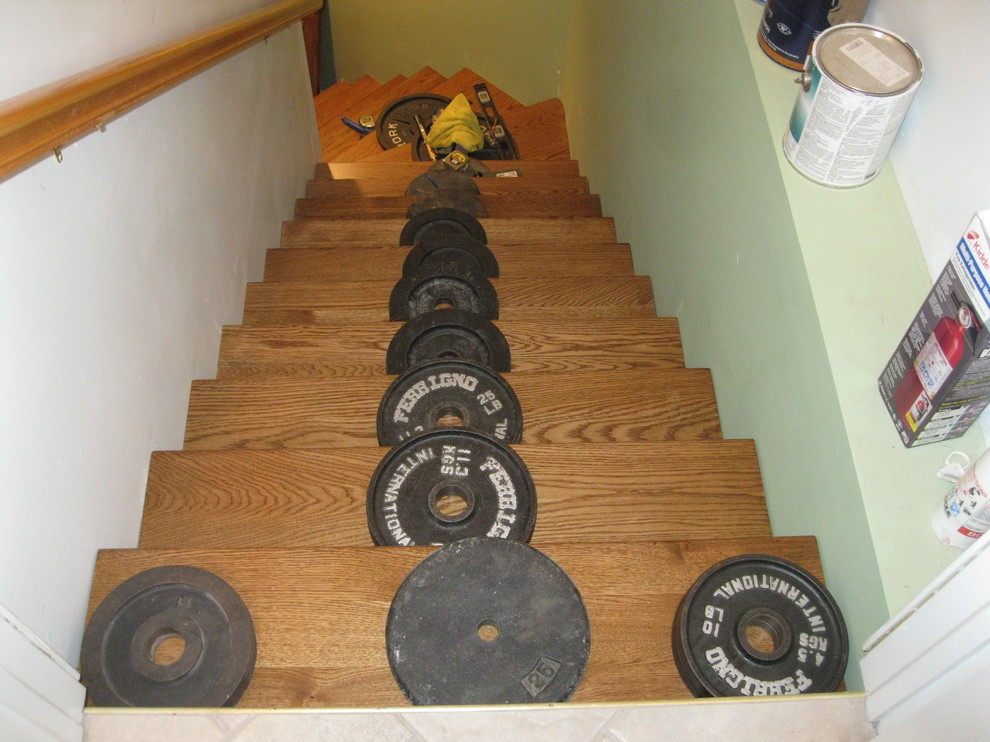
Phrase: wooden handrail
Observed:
(36, 123)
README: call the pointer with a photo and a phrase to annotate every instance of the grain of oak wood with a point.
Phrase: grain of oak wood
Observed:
(512, 204)
(407, 170)
(368, 301)
(319, 614)
(595, 407)
(375, 261)
(523, 231)
(358, 348)
(585, 493)
(396, 186)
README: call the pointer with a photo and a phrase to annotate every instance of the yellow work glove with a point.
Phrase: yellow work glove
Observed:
(457, 124)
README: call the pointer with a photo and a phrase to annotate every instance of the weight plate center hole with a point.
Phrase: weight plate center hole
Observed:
(487, 631)
(167, 648)
(764, 634)
(451, 503)
(443, 303)
(449, 416)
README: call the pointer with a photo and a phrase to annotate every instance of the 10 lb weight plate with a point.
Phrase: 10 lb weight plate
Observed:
(486, 621)
(757, 625)
(449, 393)
(442, 286)
(447, 485)
(169, 636)
(448, 221)
(442, 247)
(447, 334)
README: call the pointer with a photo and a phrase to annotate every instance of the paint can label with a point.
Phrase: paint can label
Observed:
(853, 101)
(789, 27)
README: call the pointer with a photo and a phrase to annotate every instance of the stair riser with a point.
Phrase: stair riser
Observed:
(557, 408)
(346, 350)
(319, 615)
(514, 205)
(373, 262)
(316, 498)
(539, 185)
(409, 169)
(377, 232)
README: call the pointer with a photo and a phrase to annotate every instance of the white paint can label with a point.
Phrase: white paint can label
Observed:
(858, 83)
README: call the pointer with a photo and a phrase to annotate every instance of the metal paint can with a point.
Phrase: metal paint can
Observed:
(857, 85)
(789, 27)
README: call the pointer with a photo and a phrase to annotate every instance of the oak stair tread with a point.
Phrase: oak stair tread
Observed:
(542, 185)
(509, 205)
(590, 407)
(514, 231)
(319, 614)
(243, 498)
(358, 262)
(358, 348)
(407, 170)
(519, 298)
(339, 97)
(335, 135)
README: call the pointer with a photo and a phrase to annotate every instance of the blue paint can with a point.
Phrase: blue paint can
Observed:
(789, 27)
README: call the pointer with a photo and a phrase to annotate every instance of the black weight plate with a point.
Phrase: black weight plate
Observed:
(486, 621)
(446, 485)
(758, 625)
(441, 220)
(442, 247)
(442, 178)
(396, 124)
(450, 334)
(448, 198)
(123, 661)
(442, 285)
(466, 394)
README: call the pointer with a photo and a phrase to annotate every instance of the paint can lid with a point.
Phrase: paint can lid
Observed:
(867, 59)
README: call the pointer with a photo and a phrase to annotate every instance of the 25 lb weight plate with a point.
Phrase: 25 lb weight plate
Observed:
(449, 221)
(169, 636)
(442, 286)
(442, 247)
(486, 621)
(448, 198)
(447, 334)
(449, 393)
(757, 625)
(447, 485)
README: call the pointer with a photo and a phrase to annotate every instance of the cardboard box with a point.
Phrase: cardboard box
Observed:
(938, 380)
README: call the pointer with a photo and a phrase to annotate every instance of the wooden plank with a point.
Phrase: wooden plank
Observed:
(367, 301)
(464, 82)
(333, 101)
(409, 169)
(540, 130)
(335, 135)
(319, 614)
(593, 407)
(358, 348)
(316, 498)
(504, 205)
(370, 232)
(396, 185)
(515, 261)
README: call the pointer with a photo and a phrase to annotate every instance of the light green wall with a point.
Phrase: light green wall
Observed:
(685, 163)
(517, 45)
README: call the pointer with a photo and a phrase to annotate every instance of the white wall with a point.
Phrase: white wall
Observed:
(118, 268)
(942, 155)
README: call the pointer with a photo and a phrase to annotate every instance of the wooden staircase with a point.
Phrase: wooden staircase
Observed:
(637, 491)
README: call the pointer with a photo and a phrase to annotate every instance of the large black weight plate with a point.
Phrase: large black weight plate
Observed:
(439, 179)
(448, 198)
(446, 485)
(439, 286)
(450, 334)
(485, 621)
(451, 221)
(125, 661)
(396, 124)
(445, 393)
(757, 625)
(443, 247)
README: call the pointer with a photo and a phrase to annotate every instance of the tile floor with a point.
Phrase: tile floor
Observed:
(839, 717)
